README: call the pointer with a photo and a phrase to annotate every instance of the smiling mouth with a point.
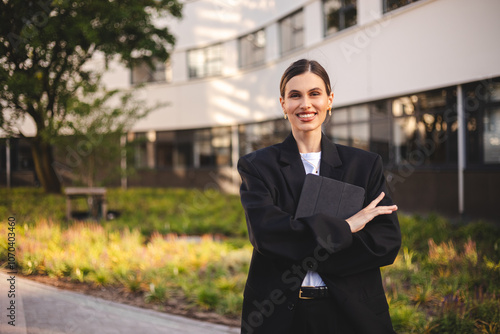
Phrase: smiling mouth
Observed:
(306, 116)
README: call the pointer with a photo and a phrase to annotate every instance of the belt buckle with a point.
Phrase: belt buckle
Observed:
(300, 295)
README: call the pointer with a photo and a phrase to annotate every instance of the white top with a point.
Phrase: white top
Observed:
(311, 163)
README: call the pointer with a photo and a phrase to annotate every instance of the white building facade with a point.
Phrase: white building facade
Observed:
(416, 81)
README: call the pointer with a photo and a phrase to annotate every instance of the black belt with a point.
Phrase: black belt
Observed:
(313, 292)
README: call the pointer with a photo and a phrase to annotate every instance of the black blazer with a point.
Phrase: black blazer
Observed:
(285, 248)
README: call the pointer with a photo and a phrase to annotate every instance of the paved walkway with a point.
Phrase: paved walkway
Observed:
(42, 309)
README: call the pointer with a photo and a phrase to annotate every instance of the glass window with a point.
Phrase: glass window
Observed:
(360, 113)
(253, 48)
(360, 134)
(340, 134)
(174, 149)
(379, 110)
(403, 137)
(350, 126)
(339, 15)
(203, 155)
(164, 155)
(473, 138)
(491, 138)
(494, 91)
(380, 137)
(395, 4)
(142, 73)
(194, 148)
(140, 151)
(482, 104)
(205, 62)
(425, 128)
(340, 115)
(21, 155)
(258, 135)
(183, 155)
(221, 143)
(403, 107)
(292, 32)
(3, 153)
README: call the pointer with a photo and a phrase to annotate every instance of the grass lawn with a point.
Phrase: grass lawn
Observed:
(149, 210)
(171, 244)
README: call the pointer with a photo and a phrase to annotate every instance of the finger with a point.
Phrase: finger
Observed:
(377, 200)
(388, 207)
(385, 210)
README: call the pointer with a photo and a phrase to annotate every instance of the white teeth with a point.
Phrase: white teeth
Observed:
(306, 115)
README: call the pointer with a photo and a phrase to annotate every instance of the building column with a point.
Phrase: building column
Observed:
(313, 31)
(7, 162)
(272, 42)
(461, 133)
(368, 11)
(150, 149)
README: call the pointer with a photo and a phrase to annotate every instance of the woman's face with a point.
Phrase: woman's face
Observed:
(306, 102)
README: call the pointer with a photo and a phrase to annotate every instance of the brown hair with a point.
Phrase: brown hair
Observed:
(300, 67)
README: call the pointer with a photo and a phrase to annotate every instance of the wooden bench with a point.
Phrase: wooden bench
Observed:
(96, 199)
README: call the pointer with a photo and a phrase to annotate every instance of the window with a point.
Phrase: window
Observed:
(425, 128)
(350, 126)
(253, 48)
(175, 149)
(205, 62)
(482, 112)
(203, 149)
(193, 148)
(421, 129)
(395, 4)
(339, 15)
(213, 147)
(165, 149)
(258, 135)
(21, 158)
(142, 73)
(491, 138)
(380, 129)
(183, 155)
(164, 155)
(292, 32)
(221, 145)
(140, 150)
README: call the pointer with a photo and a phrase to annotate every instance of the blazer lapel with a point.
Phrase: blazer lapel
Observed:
(292, 168)
(330, 160)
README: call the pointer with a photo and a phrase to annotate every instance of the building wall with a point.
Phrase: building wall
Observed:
(425, 45)
(385, 62)
(437, 191)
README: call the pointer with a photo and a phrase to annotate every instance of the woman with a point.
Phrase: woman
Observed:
(317, 274)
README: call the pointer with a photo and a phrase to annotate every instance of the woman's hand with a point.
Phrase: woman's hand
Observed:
(363, 217)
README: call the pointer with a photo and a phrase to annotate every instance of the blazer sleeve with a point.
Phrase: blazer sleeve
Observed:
(274, 232)
(376, 245)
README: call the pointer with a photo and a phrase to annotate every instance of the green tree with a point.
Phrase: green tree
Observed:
(92, 154)
(45, 49)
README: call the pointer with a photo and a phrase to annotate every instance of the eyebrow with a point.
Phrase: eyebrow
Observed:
(310, 90)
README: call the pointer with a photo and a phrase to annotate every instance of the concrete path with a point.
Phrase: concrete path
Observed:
(42, 309)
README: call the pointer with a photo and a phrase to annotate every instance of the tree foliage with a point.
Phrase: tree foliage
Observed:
(92, 155)
(45, 49)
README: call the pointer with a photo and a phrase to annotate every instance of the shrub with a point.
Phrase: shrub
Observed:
(446, 278)
(156, 294)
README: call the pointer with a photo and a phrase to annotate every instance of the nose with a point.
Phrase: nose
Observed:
(306, 102)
